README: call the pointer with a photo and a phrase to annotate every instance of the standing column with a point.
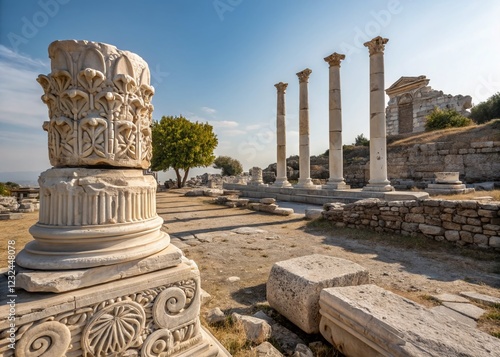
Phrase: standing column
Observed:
(304, 155)
(378, 147)
(281, 180)
(335, 156)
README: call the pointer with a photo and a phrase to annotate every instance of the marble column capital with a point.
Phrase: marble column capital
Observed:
(376, 45)
(334, 59)
(304, 75)
(281, 87)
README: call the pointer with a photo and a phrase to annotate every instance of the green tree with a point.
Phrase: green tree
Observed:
(229, 166)
(360, 140)
(181, 145)
(445, 118)
(6, 187)
(487, 110)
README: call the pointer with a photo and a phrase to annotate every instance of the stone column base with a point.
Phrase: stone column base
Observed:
(154, 314)
(281, 183)
(378, 187)
(306, 183)
(336, 185)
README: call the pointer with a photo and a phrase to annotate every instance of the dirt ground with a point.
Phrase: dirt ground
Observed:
(204, 232)
(411, 272)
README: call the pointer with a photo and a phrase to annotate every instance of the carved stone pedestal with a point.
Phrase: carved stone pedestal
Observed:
(155, 314)
(122, 289)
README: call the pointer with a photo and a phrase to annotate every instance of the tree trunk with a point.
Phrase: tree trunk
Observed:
(179, 182)
(185, 177)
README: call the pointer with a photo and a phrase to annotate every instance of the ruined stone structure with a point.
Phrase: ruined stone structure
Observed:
(460, 222)
(411, 99)
(123, 289)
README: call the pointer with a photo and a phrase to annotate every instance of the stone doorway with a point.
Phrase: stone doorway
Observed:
(405, 114)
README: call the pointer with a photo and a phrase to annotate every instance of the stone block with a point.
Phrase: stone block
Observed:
(283, 211)
(431, 230)
(112, 319)
(267, 201)
(495, 242)
(294, 286)
(367, 320)
(452, 236)
(313, 213)
(469, 310)
(256, 330)
(481, 298)
(67, 280)
(455, 315)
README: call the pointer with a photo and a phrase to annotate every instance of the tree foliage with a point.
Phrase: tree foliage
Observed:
(6, 187)
(360, 140)
(229, 166)
(487, 110)
(445, 118)
(181, 145)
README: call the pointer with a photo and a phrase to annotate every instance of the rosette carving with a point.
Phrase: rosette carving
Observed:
(50, 339)
(113, 329)
(99, 101)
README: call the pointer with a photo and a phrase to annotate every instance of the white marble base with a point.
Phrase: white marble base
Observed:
(150, 315)
(281, 183)
(61, 248)
(67, 280)
(378, 188)
(336, 185)
(307, 183)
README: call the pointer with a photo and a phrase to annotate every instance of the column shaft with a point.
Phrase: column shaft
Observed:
(378, 146)
(335, 158)
(304, 153)
(281, 168)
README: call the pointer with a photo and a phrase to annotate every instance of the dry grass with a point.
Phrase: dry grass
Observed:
(490, 321)
(16, 230)
(486, 132)
(232, 336)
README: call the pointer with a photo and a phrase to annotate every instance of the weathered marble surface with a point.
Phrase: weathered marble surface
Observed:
(367, 320)
(294, 286)
(149, 315)
(67, 280)
(99, 101)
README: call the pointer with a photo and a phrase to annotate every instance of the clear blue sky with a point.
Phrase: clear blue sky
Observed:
(218, 61)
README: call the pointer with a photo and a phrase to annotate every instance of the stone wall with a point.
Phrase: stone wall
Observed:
(475, 161)
(462, 222)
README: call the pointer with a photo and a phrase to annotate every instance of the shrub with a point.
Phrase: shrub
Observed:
(445, 118)
(360, 140)
(487, 110)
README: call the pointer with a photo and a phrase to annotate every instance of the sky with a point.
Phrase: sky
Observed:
(217, 61)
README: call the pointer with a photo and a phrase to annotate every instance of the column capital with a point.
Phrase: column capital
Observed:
(376, 45)
(334, 59)
(304, 75)
(281, 87)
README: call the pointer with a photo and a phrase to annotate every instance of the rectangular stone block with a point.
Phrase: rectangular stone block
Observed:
(155, 313)
(294, 286)
(367, 320)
